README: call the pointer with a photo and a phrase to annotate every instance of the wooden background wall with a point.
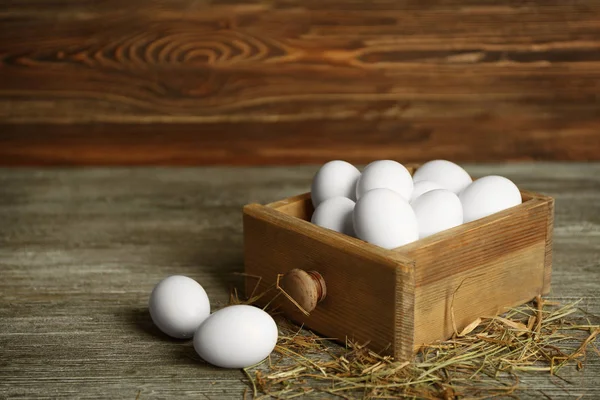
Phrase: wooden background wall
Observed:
(116, 82)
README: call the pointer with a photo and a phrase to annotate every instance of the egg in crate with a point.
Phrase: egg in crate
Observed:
(385, 174)
(335, 214)
(335, 178)
(422, 187)
(441, 193)
(446, 173)
(487, 196)
(436, 211)
(384, 218)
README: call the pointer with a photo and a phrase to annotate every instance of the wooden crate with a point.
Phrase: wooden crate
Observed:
(400, 299)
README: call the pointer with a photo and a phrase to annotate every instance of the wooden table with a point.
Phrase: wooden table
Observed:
(81, 250)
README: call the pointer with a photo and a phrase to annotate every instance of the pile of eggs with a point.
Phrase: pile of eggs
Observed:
(386, 206)
(236, 336)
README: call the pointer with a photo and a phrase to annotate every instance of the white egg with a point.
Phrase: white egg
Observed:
(336, 214)
(436, 211)
(236, 337)
(178, 305)
(335, 178)
(451, 176)
(488, 195)
(383, 217)
(422, 187)
(385, 174)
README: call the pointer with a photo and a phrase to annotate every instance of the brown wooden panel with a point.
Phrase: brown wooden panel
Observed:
(359, 306)
(479, 269)
(294, 81)
(288, 143)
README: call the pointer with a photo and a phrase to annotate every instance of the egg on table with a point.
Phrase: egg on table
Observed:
(333, 179)
(385, 174)
(436, 211)
(336, 214)
(236, 337)
(384, 218)
(446, 173)
(488, 195)
(178, 305)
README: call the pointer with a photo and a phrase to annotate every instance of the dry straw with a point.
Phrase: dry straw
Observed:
(483, 361)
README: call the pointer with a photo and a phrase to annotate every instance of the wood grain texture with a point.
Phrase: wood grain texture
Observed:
(299, 206)
(81, 249)
(293, 81)
(404, 313)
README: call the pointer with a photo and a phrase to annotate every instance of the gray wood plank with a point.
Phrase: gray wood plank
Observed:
(81, 249)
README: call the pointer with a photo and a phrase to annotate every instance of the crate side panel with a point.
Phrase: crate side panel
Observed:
(453, 303)
(467, 246)
(481, 271)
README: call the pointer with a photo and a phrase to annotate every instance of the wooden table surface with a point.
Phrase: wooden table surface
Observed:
(81, 249)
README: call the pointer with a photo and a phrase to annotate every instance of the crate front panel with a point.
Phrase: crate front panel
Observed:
(361, 281)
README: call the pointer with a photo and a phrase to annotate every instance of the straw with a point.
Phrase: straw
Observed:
(484, 360)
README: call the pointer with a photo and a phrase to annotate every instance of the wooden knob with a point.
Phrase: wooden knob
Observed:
(307, 288)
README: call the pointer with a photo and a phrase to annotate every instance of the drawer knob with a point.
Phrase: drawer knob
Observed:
(307, 288)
